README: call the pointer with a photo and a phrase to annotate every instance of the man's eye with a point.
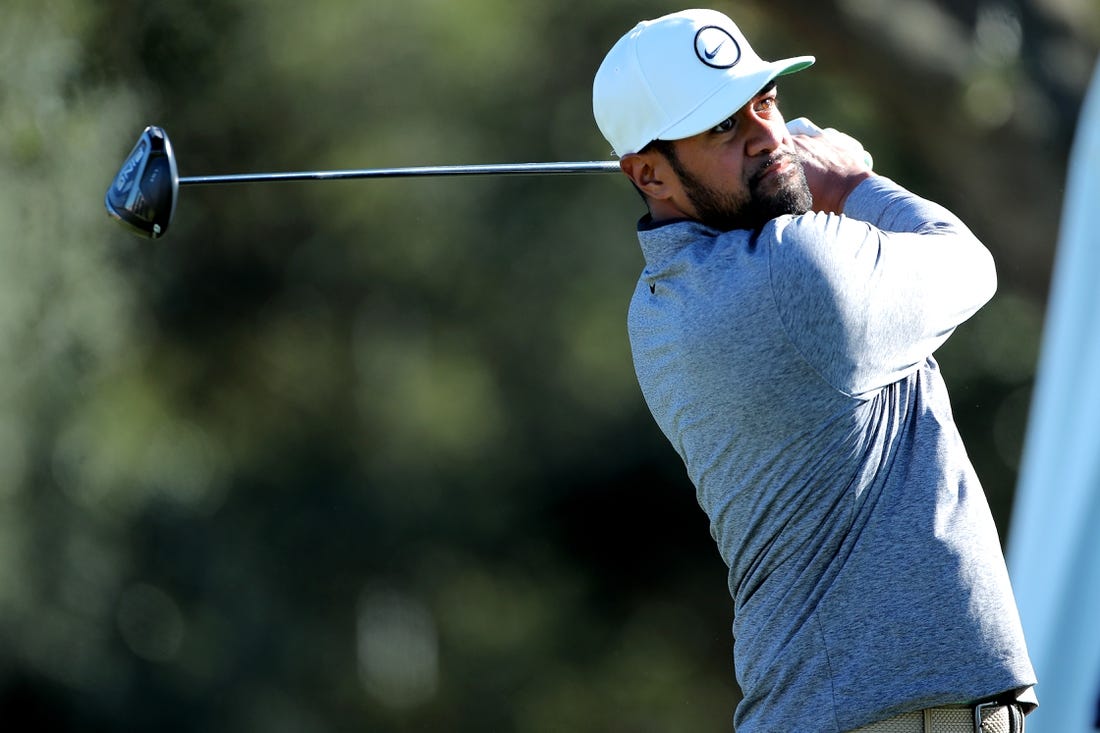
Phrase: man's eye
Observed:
(724, 126)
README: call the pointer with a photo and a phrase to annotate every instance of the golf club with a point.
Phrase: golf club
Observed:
(143, 194)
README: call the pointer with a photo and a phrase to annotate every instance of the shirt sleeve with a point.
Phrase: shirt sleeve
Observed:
(867, 296)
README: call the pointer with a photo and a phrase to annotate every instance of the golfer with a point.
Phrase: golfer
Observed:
(782, 333)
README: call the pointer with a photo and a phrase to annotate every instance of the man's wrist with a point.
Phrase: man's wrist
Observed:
(853, 183)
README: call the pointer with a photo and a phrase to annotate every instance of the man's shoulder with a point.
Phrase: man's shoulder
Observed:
(814, 236)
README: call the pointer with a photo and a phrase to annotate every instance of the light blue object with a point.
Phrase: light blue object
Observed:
(1054, 540)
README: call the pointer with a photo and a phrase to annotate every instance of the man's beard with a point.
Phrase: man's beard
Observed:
(726, 211)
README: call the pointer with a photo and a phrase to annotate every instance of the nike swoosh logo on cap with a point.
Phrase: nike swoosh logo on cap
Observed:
(716, 47)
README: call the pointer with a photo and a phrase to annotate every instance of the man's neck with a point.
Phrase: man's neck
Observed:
(661, 210)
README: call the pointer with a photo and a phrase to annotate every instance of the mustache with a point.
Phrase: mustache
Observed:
(773, 159)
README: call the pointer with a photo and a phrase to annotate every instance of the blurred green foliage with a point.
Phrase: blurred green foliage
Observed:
(370, 455)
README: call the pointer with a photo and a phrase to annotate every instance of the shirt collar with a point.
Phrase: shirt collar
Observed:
(662, 239)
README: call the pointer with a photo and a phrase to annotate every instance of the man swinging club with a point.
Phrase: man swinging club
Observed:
(782, 333)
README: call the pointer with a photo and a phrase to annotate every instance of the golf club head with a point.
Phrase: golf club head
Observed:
(143, 194)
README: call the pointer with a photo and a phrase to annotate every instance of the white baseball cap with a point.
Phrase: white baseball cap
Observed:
(676, 76)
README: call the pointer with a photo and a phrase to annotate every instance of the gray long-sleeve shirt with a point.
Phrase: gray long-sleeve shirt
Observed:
(792, 370)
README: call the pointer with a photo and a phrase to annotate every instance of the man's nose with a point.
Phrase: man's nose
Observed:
(765, 135)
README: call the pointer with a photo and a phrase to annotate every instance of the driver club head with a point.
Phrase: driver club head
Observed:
(143, 194)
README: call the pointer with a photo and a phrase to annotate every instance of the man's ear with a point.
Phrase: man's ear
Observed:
(649, 171)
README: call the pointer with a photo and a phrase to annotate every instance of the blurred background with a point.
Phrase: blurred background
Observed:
(370, 455)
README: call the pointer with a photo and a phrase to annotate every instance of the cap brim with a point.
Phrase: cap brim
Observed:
(731, 97)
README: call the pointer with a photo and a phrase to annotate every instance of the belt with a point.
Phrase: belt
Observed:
(987, 717)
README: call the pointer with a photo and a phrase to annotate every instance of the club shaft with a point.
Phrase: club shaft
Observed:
(490, 169)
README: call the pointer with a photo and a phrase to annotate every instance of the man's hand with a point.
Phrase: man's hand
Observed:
(834, 163)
